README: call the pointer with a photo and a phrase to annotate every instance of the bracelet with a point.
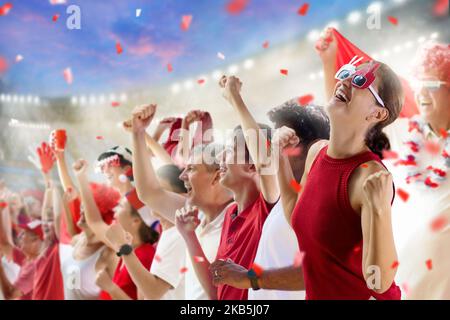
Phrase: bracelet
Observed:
(251, 274)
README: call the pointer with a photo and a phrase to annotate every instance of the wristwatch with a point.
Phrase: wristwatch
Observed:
(125, 250)
(251, 274)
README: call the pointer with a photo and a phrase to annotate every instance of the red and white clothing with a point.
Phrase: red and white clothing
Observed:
(239, 240)
(24, 281)
(277, 248)
(329, 232)
(122, 278)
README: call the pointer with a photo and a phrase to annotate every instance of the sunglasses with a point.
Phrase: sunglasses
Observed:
(361, 79)
(432, 85)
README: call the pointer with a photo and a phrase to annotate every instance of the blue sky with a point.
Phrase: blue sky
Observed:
(149, 41)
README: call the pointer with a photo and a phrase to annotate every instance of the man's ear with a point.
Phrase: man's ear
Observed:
(378, 114)
(216, 177)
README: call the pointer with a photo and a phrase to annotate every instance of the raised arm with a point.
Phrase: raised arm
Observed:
(148, 188)
(379, 253)
(186, 222)
(66, 198)
(6, 246)
(184, 144)
(91, 212)
(150, 286)
(326, 47)
(258, 148)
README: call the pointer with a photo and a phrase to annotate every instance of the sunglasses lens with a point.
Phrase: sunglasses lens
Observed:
(359, 81)
(344, 74)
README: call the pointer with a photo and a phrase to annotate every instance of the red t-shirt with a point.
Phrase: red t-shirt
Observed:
(48, 282)
(122, 278)
(24, 281)
(239, 240)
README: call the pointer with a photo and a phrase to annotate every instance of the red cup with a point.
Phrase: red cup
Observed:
(60, 139)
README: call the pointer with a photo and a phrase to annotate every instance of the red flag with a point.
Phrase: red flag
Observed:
(347, 50)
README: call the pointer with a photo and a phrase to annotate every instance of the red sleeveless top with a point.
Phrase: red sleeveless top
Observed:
(329, 232)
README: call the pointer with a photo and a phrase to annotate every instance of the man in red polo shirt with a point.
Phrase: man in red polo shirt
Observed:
(254, 190)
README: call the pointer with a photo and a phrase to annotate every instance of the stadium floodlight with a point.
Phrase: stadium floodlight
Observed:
(312, 76)
(175, 88)
(21, 99)
(14, 98)
(421, 39)
(101, 98)
(29, 99)
(354, 17)
(434, 35)
(233, 69)
(249, 63)
(375, 7)
(82, 100)
(313, 35)
(37, 100)
(123, 97)
(188, 84)
(217, 74)
(2, 97)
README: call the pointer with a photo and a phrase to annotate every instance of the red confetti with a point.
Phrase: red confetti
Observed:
(438, 223)
(296, 186)
(265, 45)
(268, 145)
(236, 6)
(3, 204)
(393, 20)
(303, 10)
(68, 76)
(55, 17)
(387, 154)
(443, 132)
(364, 165)
(284, 71)
(305, 99)
(201, 81)
(432, 147)
(292, 152)
(440, 8)
(115, 104)
(169, 67)
(186, 22)
(428, 182)
(357, 249)
(403, 194)
(3, 65)
(395, 264)
(258, 269)
(183, 270)
(157, 258)
(119, 48)
(429, 264)
(99, 137)
(199, 259)
(298, 260)
(4, 10)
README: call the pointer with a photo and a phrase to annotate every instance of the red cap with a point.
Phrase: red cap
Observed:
(34, 226)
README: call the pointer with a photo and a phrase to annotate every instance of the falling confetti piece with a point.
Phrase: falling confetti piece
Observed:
(268, 144)
(284, 71)
(115, 104)
(54, 2)
(19, 58)
(3, 204)
(395, 264)
(138, 12)
(169, 67)
(258, 269)
(3, 65)
(265, 44)
(432, 147)
(296, 186)
(4, 10)
(428, 182)
(220, 55)
(303, 10)
(119, 48)
(429, 264)
(201, 81)
(199, 259)
(99, 137)
(393, 20)
(403, 194)
(68, 76)
(298, 260)
(387, 154)
(183, 270)
(292, 152)
(186, 22)
(305, 99)
(438, 224)
(55, 17)
(158, 258)
(236, 6)
(440, 8)
(364, 165)
(443, 132)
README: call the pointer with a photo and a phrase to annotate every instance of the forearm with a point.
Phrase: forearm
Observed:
(70, 225)
(117, 293)
(329, 69)
(5, 229)
(157, 150)
(150, 286)
(380, 247)
(288, 195)
(288, 279)
(201, 268)
(63, 172)
(183, 149)
(5, 285)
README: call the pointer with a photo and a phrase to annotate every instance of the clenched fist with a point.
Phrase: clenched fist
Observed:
(231, 87)
(326, 46)
(378, 190)
(285, 138)
(142, 116)
(80, 166)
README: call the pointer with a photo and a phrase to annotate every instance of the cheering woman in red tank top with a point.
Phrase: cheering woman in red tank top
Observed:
(342, 216)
